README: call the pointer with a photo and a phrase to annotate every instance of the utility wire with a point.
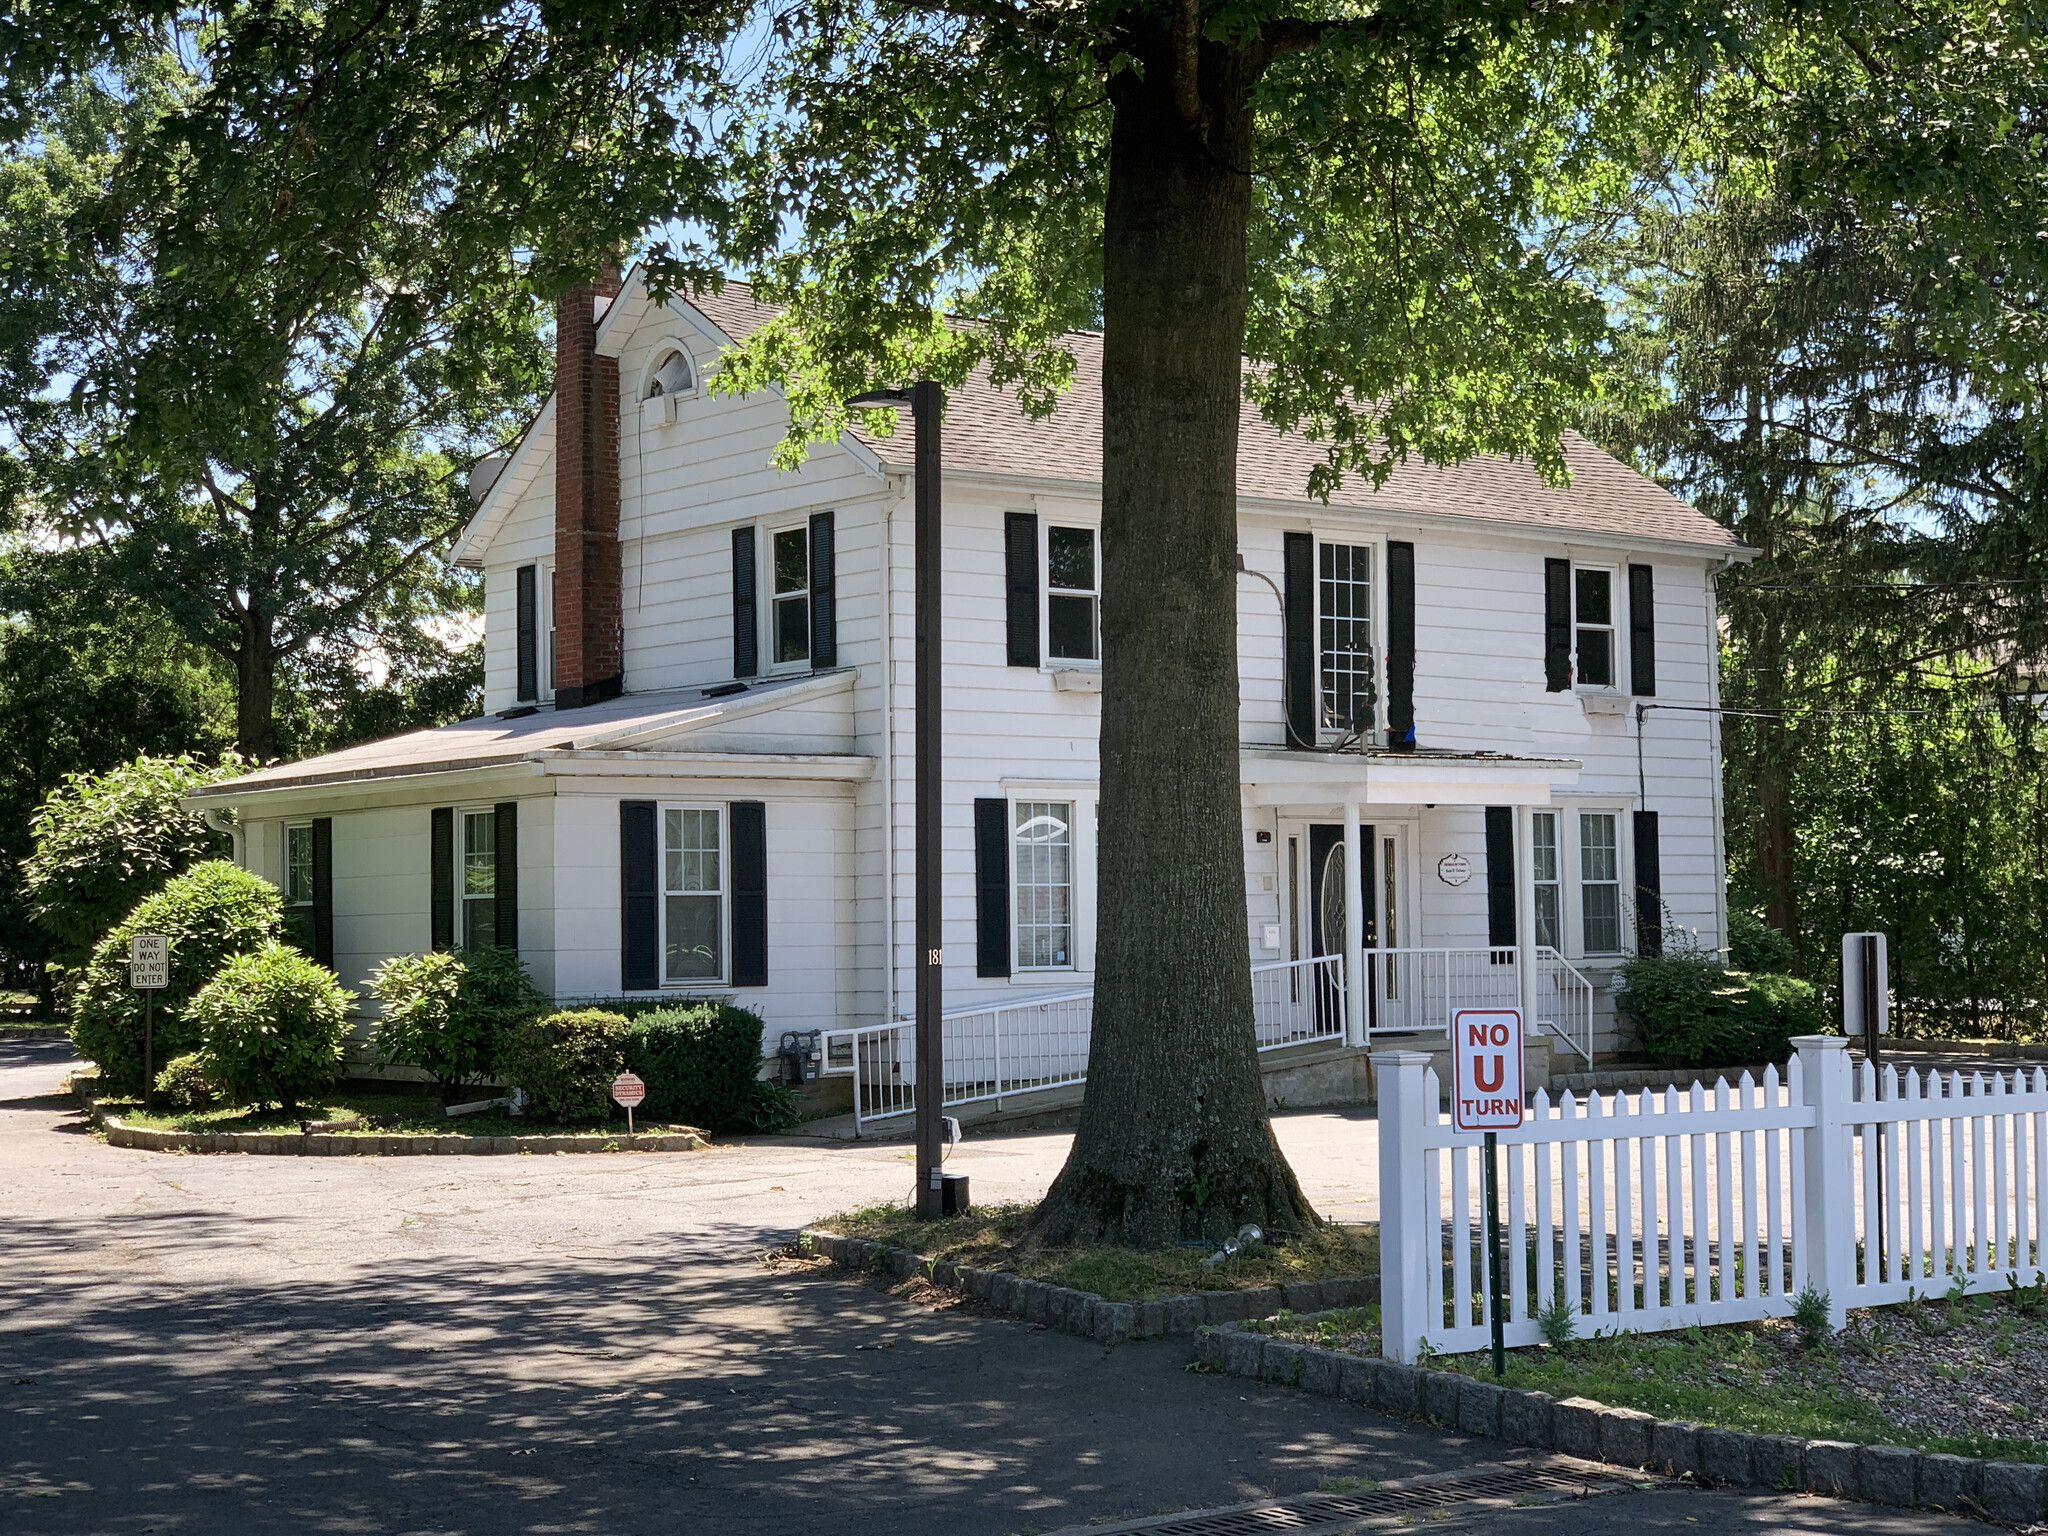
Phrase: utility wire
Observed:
(1896, 586)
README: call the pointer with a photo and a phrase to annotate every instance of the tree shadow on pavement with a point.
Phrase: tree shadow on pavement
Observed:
(692, 1387)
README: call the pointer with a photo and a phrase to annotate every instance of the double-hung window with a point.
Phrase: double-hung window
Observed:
(1549, 886)
(479, 880)
(1593, 626)
(790, 603)
(298, 884)
(1344, 618)
(1042, 856)
(693, 884)
(1073, 585)
(1600, 882)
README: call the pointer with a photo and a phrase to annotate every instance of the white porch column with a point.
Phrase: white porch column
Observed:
(1525, 915)
(1354, 928)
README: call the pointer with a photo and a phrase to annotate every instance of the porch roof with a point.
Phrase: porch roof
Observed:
(1274, 776)
(636, 724)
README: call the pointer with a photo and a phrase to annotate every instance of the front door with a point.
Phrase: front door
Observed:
(1329, 890)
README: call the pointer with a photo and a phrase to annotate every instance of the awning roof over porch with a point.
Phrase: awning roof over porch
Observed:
(1272, 776)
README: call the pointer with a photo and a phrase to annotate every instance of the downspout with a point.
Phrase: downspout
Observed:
(889, 757)
(227, 823)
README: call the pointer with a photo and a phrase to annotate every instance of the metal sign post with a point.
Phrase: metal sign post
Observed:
(1867, 1011)
(149, 971)
(1486, 1096)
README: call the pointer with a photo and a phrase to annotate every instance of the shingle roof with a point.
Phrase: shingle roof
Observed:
(986, 431)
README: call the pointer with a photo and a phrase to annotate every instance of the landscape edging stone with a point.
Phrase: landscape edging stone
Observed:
(2014, 1493)
(328, 1144)
(1083, 1313)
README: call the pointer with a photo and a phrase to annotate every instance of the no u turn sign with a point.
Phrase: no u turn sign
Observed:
(1486, 1049)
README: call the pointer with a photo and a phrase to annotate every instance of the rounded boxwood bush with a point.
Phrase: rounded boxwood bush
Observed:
(210, 912)
(273, 1023)
(565, 1062)
(702, 1065)
(447, 1013)
(183, 1084)
(1689, 1012)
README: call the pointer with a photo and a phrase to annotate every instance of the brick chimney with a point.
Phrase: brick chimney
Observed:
(589, 663)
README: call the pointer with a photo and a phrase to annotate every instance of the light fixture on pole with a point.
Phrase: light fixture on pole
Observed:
(938, 1193)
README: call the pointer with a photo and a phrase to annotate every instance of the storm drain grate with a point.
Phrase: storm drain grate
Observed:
(1547, 1480)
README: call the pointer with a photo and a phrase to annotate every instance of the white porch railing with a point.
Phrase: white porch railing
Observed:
(1662, 1210)
(1419, 989)
(998, 1051)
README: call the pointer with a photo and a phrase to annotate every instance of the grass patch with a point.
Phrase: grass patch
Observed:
(992, 1237)
(1969, 1390)
(400, 1114)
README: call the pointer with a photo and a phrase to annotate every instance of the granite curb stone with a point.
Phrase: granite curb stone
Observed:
(1675, 1447)
(330, 1144)
(2011, 1493)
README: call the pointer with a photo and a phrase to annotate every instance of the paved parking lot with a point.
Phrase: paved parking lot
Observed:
(593, 1344)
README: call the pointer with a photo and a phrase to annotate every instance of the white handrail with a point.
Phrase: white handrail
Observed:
(997, 1050)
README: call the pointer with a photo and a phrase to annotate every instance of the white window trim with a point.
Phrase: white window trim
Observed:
(1559, 816)
(1377, 586)
(1616, 626)
(1050, 662)
(662, 893)
(462, 898)
(1085, 831)
(284, 857)
(543, 631)
(765, 607)
(1570, 881)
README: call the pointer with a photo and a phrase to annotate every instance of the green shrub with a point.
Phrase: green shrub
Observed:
(103, 841)
(183, 1084)
(1689, 1012)
(702, 1066)
(448, 1013)
(212, 911)
(273, 1022)
(1754, 945)
(565, 1062)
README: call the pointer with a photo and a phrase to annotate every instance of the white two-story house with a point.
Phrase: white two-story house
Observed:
(1492, 699)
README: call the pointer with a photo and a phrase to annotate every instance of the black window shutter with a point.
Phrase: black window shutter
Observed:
(1401, 647)
(1298, 645)
(991, 887)
(1649, 887)
(824, 620)
(441, 919)
(639, 898)
(746, 628)
(505, 873)
(1557, 625)
(1642, 631)
(1020, 596)
(749, 822)
(323, 890)
(1500, 876)
(529, 634)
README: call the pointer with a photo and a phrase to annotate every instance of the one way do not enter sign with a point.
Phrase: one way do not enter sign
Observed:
(1487, 1068)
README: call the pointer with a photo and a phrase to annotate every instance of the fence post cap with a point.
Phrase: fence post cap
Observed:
(1400, 1058)
(1820, 1042)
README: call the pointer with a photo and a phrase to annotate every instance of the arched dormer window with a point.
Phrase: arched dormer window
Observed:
(672, 376)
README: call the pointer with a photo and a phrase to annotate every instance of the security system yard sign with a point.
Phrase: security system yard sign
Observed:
(149, 972)
(1486, 1049)
(1486, 1095)
(628, 1090)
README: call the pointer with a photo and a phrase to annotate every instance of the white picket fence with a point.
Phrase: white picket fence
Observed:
(1663, 1210)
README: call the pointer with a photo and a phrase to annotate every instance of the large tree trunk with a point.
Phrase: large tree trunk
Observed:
(1174, 1138)
(256, 687)
(1773, 779)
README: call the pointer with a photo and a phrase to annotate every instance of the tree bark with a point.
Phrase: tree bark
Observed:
(1773, 779)
(256, 686)
(1174, 1138)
